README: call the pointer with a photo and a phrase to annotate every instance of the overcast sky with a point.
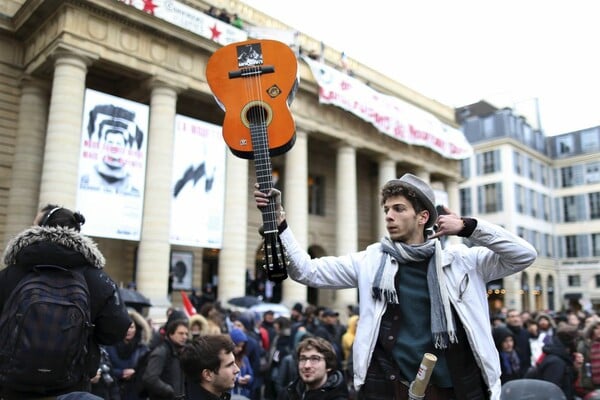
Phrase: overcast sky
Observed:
(508, 52)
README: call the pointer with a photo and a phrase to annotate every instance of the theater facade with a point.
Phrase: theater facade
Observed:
(105, 107)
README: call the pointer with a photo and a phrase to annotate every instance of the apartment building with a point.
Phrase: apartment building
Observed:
(545, 189)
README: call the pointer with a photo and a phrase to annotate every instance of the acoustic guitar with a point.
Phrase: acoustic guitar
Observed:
(254, 82)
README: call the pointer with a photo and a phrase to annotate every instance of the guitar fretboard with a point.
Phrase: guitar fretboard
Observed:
(264, 177)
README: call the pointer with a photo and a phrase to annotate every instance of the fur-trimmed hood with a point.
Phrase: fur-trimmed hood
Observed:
(140, 322)
(201, 321)
(58, 237)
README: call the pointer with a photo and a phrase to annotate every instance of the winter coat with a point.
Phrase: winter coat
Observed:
(70, 249)
(335, 388)
(557, 367)
(126, 356)
(348, 337)
(163, 377)
(496, 254)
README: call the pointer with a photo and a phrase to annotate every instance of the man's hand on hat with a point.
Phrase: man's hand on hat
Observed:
(447, 224)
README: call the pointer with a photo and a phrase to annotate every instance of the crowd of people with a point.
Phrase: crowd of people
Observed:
(278, 357)
(562, 348)
(65, 328)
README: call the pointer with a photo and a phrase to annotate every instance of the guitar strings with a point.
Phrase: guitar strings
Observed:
(258, 116)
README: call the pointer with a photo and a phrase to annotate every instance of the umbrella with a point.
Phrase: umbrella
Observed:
(133, 298)
(279, 310)
(244, 301)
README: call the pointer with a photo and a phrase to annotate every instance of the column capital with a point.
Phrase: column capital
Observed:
(28, 82)
(340, 144)
(63, 50)
(156, 82)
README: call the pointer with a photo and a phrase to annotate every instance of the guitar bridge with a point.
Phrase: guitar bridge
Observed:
(242, 73)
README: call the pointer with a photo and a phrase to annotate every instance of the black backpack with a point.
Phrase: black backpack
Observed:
(45, 328)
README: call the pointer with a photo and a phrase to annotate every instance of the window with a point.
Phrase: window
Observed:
(488, 162)
(571, 244)
(566, 173)
(490, 198)
(592, 172)
(519, 198)
(518, 163)
(565, 145)
(532, 168)
(466, 206)
(569, 209)
(574, 280)
(549, 245)
(590, 140)
(465, 168)
(596, 244)
(594, 200)
(543, 174)
(316, 195)
(597, 280)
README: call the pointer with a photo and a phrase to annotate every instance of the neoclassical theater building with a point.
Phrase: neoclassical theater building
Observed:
(91, 88)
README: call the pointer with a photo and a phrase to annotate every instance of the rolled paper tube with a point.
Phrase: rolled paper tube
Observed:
(422, 379)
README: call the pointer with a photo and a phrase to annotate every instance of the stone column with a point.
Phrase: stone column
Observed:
(153, 261)
(29, 155)
(387, 172)
(233, 261)
(295, 201)
(63, 136)
(424, 174)
(453, 204)
(347, 215)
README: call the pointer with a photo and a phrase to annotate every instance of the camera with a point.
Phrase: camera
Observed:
(105, 374)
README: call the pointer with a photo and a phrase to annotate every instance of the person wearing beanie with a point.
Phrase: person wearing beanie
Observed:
(245, 379)
(510, 364)
(415, 296)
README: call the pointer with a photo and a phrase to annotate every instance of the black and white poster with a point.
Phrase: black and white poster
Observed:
(112, 166)
(198, 190)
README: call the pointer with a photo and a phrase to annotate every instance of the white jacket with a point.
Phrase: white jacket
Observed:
(497, 253)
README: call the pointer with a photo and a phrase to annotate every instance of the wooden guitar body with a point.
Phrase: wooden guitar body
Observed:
(255, 82)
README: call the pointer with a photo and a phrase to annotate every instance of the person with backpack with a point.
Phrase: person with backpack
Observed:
(162, 377)
(53, 349)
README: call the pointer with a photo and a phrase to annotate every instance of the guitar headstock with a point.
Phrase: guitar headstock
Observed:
(274, 256)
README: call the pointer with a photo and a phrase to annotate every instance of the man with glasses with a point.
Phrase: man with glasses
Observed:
(318, 376)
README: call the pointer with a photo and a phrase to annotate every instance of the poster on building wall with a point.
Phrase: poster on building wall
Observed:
(112, 165)
(198, 189)
(182, 266)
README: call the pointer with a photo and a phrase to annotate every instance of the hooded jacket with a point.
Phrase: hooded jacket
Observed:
(335, 388)
(496, 253)
(557, 366)
(67, 248)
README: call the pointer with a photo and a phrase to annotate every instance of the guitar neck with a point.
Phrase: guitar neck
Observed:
(264, 177)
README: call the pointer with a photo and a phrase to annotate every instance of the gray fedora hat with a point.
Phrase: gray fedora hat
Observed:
(424, 193)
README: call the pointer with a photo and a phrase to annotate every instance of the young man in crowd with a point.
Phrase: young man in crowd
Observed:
(209, 366)
(319, 377)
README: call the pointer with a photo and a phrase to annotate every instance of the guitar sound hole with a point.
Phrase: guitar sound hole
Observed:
(257, 115)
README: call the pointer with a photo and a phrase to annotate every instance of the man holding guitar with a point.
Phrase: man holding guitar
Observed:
(416, 298)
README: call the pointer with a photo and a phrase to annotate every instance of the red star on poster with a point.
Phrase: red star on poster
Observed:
(149, 6)
(215, 33)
